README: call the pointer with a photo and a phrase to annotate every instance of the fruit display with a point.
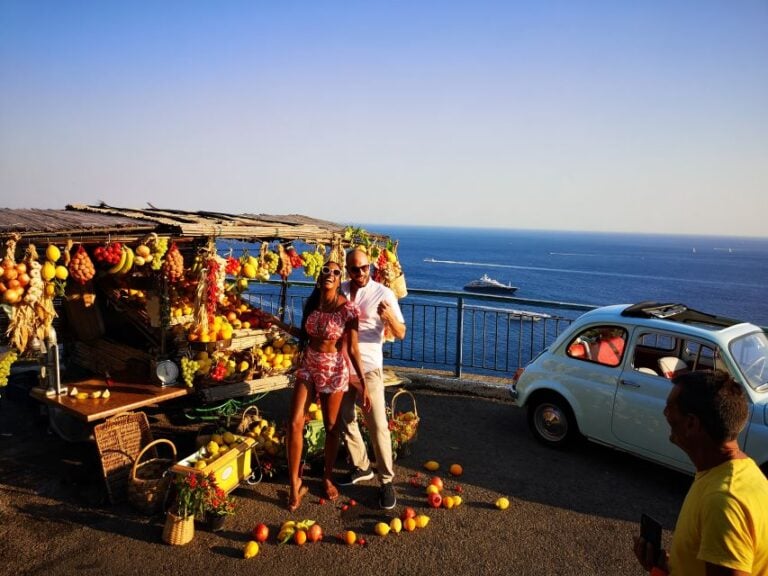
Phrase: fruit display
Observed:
(389, 272)
(300, 532)
(313, 261)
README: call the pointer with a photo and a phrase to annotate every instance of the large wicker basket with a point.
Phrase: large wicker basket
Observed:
(120, 439)
(403, 425)
(151, 479)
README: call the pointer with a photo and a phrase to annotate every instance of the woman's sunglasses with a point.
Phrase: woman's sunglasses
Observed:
(326, 271)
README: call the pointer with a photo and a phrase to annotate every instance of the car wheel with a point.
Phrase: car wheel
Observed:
(551, 421)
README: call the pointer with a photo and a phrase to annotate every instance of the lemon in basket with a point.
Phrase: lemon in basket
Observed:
(228, 437)
(212, 447)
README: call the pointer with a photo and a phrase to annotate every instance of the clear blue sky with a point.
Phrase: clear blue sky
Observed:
(581, 115)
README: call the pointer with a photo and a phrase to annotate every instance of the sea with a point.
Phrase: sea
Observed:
(721, 275)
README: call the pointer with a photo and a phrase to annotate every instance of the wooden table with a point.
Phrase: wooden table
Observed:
(124, 396)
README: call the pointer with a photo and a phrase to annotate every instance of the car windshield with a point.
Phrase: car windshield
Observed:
(751, 355)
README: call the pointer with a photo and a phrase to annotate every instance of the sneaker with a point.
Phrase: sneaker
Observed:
(357, 475)
(387, 499)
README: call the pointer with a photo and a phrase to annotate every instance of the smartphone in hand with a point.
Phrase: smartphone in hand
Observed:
(650, 531)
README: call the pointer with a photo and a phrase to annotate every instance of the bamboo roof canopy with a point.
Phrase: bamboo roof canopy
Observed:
(95, 222)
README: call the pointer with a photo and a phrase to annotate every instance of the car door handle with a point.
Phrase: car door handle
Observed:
(629, 383)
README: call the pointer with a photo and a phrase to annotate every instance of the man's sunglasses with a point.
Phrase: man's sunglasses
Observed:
(358, 269)
(326, 271)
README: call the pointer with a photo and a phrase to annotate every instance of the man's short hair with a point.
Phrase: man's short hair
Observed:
(716, 399)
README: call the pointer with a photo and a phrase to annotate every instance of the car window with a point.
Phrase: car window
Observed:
(751, 355)
(668, 355)
(601, 344)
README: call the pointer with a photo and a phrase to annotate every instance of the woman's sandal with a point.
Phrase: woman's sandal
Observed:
(294, 503)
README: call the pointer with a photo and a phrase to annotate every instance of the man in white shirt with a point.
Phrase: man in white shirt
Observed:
(379, 311)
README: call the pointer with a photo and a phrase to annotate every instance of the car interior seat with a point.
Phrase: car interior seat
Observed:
(671, 366)
(646, 370)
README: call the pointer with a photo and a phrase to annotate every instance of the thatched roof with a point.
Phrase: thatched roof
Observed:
(83, 222)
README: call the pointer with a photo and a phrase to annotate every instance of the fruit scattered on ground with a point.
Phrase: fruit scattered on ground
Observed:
(422, 520)
(381, 529)
(349, 537)
(431, 465)
(300, 537)
(260, 532)
(409, 524)
(396, 525)
(456, 470)
(315, 533)
(437, 481)
(502, 503)
(251, 549)
(407, 512)
(434, 500)
(432, 489)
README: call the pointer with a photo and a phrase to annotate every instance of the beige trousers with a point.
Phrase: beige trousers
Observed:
(378, 428)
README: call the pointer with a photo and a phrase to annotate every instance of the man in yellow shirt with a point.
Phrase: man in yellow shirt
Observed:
(722, 528)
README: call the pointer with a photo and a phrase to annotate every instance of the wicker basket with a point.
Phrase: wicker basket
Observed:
(178, 531)
(150, 480)
(120, 440)
(398, 287)
(404, 425)
(250, 417)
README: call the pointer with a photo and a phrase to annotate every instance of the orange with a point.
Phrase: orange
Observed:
(300, 537)
(409, 524)
(456, 470)
(349, 537)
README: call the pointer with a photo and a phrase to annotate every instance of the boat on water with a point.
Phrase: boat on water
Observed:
(488, 285)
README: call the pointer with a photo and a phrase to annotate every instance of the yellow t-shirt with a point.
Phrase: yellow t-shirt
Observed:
(723, 521)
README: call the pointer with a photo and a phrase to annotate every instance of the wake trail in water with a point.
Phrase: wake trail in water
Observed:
(592, 273)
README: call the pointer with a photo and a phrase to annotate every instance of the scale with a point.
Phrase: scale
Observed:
(167, 372)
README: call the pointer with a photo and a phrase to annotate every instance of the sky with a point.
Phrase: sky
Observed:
(607, 115)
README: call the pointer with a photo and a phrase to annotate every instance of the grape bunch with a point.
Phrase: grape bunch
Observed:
(5, 366)
(313, 262)
(188, 370)
(270, 262)
(159, 248)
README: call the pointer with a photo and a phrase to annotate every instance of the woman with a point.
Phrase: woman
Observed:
(328, 323)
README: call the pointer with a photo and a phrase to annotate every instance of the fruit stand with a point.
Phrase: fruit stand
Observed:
(121, 308)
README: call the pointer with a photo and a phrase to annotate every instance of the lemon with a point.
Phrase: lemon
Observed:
(200, 464)
(52, 253)
(396, 525)
(422, 520)
(431, 465)
(432, 489)
(212, 447)
(381, 529)
(502, 503)
(448, 502)
(105, 394)
(251, 549)
(61, 272)
(48, 271)
(457, 500)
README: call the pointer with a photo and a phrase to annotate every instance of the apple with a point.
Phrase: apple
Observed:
(435, 500)
(408, 513)
(437, 481)
(261, 532)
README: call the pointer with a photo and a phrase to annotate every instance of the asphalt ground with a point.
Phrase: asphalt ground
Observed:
(571, 512)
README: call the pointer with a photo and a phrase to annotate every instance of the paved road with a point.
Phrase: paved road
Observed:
(572, 513)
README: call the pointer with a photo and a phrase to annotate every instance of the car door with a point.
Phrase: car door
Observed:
(638, 422)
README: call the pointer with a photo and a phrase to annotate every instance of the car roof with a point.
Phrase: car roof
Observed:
(672, 316)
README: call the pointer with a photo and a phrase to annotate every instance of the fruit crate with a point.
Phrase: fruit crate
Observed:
(243, 339)
(229, 469)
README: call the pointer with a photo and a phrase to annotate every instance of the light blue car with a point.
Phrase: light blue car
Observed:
(607, 378)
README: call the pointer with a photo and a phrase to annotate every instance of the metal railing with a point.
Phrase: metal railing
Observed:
(453, 331)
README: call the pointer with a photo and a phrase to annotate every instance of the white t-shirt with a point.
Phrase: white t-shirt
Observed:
(370, 324)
